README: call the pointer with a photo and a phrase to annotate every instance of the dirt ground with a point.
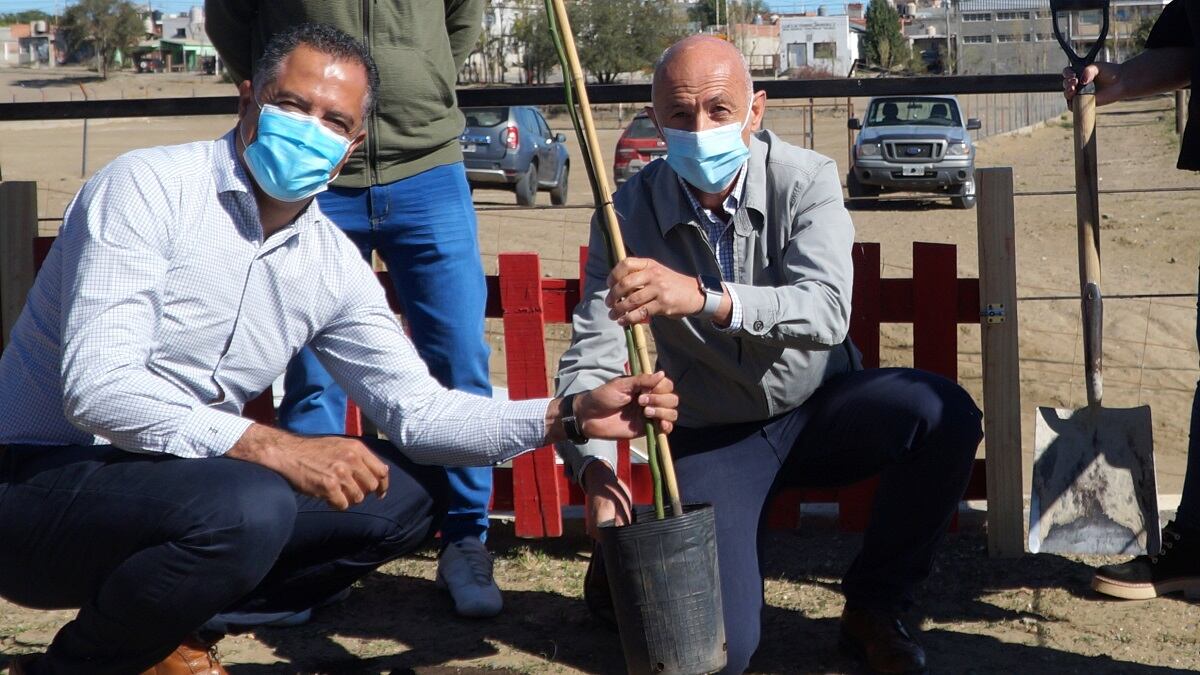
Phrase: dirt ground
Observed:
(978, 615)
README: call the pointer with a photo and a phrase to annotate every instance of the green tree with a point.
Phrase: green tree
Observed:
(27, 16)
(109, 27)
(732, 11)
(621, 36)
(1142, 33)
(531, 32)
(883, 43)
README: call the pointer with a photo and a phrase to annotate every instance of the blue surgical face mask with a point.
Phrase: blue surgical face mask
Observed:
(709, 159)
(293, 155)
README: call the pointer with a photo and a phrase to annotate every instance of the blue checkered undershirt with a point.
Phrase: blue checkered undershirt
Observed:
(719, 233)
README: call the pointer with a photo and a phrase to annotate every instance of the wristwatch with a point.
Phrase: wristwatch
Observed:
(571, 424)
(713, 292)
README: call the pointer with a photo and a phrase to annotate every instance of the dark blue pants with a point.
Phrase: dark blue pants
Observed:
(1188, 513)
(424, 228)
(150, 547)
(917, 430)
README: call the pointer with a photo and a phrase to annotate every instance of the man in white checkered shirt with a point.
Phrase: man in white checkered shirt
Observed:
(182, 282)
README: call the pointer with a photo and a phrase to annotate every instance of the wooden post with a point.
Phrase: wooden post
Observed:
(1001, 365)
(1180, 111)
(537, 504)
(18, 229)
(849, 133)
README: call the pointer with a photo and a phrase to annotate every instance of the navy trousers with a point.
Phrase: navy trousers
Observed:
(1188, 513)
(917, 430)
(150, 547)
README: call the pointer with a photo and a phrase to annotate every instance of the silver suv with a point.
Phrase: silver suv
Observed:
(914, 144)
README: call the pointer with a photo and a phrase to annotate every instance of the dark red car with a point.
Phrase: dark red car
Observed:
(637, 147)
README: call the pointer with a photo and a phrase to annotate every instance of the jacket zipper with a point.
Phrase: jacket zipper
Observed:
(372, 134)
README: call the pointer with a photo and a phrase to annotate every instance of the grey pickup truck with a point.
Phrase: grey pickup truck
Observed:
(913, 144)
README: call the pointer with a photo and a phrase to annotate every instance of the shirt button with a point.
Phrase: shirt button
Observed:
(758, 325)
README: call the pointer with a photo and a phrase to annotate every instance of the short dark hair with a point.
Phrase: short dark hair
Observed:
(323, 38)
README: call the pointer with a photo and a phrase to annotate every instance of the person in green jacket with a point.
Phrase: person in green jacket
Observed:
(404, 193)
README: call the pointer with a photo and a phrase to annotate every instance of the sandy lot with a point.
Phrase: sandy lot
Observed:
(981, 615)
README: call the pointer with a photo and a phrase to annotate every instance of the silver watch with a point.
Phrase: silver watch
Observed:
(713, 293)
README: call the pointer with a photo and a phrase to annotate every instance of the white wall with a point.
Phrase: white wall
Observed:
(816, 41)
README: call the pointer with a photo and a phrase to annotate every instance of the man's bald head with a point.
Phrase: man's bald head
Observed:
(696, 55)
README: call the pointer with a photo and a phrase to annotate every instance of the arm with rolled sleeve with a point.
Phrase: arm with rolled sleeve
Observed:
(597, 352)
(368, 354)
(812, 311)
(117, 246)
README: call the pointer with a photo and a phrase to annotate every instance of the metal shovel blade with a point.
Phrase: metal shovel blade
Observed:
(1093, 482)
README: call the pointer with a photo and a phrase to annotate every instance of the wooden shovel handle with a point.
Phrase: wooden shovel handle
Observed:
(1087, 215)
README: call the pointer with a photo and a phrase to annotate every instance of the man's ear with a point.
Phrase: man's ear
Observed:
(650, 113)
(354, 145)
(759, 107)
(245, 97)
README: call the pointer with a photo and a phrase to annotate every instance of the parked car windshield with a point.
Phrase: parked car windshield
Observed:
(922, 111)
(642, 127)
(485, 117)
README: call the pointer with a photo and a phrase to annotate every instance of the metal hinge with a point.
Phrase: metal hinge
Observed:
(993, 313)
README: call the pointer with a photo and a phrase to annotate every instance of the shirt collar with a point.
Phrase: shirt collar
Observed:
(228, 171)
(729, 206)
(230, 175)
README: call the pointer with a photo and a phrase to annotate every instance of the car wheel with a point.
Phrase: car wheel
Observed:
(964, 200)
(558, 194)
(860, 195)
(527, 187)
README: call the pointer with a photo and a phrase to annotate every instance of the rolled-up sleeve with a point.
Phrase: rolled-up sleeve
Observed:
(116, 246)
(812, 309)
(368, 354)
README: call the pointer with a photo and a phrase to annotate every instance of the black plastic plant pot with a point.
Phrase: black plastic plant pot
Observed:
(666, 592)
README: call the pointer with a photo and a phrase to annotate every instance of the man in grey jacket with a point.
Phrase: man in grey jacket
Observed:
(741, 266)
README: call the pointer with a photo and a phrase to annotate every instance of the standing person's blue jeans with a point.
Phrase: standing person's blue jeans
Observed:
(424, 228)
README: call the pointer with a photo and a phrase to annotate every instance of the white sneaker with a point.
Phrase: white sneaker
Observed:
(465, 569)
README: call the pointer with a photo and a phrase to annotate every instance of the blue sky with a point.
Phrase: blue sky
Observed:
(51, 6)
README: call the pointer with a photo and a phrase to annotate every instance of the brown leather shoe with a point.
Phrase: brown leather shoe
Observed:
(193, 657)
(881, 642)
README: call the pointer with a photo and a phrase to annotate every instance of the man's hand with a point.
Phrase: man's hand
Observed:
(340, 471)
(607, 498)
(1107, 77)
(621, 407)
(639, 288)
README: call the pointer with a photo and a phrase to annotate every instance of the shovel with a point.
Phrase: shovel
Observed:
(1093, 468)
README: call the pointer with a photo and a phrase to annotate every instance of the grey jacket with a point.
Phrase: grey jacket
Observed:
(793, 276)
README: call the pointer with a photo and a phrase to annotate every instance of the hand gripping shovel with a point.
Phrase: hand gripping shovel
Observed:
(1093, 468)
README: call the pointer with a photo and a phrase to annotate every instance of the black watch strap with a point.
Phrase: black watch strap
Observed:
(571, 425)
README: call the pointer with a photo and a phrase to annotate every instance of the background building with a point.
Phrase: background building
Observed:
(818, 43)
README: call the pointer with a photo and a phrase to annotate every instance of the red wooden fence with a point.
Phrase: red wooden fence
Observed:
(934, 301)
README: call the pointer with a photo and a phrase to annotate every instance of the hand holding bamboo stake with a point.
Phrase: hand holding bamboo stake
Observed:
(604, 196)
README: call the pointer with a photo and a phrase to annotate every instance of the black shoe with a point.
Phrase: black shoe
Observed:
(879, 640)
(1175, 568)
(595, 590)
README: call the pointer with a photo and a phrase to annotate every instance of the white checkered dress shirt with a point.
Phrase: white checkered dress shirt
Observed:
(720, 238)
(160, 311)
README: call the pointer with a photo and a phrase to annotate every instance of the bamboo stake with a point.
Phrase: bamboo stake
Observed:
(614, 231)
